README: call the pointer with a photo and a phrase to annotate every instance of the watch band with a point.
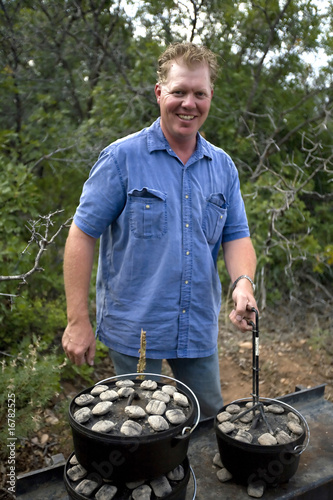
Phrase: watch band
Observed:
(243, 276)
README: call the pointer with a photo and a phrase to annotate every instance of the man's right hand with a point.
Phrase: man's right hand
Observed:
(79, 344)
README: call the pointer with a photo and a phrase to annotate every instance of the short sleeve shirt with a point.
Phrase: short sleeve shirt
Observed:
(161, 224)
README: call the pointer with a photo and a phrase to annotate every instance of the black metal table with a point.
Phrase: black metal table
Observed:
(313, 480)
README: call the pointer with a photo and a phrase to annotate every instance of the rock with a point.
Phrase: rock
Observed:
(176, 474)
(86, 487)
(82, 415)
(256, 490)
(247, 418)
(125, 383)
(223, 416)
(98, 389)
(124, 392)
(109, 395)
(50, 417)
(44, 438)
(233, 409)
(293, 417)
(102, 408)
(217, 460)
(245, 345)
(149, 385)
(283, 438)
(135, 411)
(158, 423)
(161, 396)
(131, 428)
(180, 399)
(155, 407)
(226, 427)
(223, 475)
(267, 439)
(73, 460)
(103, 426)
(243, 436)
(77, 472)
(131, 485)
(295, 427)
(175, 416)
(106, 492)
(161, 486)
(84, 399)
(142, 493)
(277, 409)
(169, 389)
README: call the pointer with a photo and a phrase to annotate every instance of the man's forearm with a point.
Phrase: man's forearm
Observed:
(240, 258)
(78, 262)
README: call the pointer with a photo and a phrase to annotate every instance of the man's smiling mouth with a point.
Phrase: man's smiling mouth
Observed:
(186, 117)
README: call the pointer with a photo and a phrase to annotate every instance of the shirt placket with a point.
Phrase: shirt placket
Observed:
(187, 256)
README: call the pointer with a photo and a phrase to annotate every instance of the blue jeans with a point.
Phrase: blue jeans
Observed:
(201, 375)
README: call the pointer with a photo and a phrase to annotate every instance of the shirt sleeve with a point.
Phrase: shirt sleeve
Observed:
(236, 225)
(103, 196)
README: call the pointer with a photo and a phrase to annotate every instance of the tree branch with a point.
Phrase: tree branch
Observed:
(42, 240)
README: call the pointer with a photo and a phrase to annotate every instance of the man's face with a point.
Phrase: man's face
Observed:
(184, 101)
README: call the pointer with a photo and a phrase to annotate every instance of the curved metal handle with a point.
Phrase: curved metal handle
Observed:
(127, 375)
(195, 483)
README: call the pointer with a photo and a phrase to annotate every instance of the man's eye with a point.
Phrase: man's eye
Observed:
(178, 92)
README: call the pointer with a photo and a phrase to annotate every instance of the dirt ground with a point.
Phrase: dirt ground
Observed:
(293, 352)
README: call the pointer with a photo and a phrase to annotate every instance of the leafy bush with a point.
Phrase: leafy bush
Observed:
(31, 378)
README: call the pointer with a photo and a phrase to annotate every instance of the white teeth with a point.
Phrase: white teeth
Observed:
(186, 117)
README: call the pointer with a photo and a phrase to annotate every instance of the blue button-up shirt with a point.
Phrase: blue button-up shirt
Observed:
(160, 224)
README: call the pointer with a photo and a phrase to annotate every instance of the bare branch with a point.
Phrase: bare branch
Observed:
(39, 230)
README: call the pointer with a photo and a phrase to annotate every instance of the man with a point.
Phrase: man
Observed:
(162, 201)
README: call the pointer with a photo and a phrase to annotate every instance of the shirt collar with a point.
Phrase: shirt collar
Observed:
(157, 141)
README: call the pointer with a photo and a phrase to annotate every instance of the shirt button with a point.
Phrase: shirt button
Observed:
(186, 282)
(221, 216)
(186, 196)
(184, 311)
(187, 253)
(187, 225)
(147, 206)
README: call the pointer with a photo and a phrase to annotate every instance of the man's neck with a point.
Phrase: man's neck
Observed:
(183, 149)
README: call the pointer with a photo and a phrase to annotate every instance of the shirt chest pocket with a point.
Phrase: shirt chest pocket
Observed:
(148, 213)
(214, 217)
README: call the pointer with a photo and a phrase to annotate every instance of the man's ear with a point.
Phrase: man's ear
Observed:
(157, 91)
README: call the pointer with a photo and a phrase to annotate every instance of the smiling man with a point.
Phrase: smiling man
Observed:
(162, 201)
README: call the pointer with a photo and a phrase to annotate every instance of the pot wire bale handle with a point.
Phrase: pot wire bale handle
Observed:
(126, 375)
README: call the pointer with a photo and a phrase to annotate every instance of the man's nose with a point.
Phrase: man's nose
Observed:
(189, 101)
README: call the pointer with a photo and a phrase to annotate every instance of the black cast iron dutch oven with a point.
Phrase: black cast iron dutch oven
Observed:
(123, 458)
(258, 464)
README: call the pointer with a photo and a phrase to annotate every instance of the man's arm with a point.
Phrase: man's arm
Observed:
(240, 259)
(78, 339)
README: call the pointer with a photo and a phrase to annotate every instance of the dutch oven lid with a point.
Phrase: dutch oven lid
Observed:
(163, 401)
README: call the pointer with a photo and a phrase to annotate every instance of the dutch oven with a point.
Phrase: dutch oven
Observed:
(122, 458)
(124, 490)
(251, 463)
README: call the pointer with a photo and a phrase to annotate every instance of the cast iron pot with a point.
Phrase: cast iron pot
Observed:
(258, 464)
(124, 493)
(123, 458)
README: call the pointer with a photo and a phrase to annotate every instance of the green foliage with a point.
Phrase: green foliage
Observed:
(74, 77)
(31, 379)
